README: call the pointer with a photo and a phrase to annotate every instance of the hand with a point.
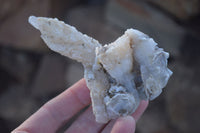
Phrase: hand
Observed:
(58, 111)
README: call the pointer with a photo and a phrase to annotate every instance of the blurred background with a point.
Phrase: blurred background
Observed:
(31, 74)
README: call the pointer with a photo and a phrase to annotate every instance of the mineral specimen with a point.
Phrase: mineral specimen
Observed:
(119, 75)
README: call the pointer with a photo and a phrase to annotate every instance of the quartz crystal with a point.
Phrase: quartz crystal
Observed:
(119, 75)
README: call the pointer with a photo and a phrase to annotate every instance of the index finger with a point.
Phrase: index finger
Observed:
(58, 110)
(140, 110)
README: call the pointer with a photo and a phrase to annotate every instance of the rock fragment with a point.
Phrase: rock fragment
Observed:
(119, 75)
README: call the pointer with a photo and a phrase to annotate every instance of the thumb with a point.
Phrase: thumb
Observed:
(124, 125)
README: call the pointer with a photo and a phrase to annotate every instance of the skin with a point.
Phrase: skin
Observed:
(58, 111)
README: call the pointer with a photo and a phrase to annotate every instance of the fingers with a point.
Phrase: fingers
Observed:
(108, 127)
(140, 110)
(57, 111)
(60, 109)
(136, 115)
(124, 125)
(85, 123)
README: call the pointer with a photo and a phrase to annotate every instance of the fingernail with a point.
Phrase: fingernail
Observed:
(127, 118)
(19, 132)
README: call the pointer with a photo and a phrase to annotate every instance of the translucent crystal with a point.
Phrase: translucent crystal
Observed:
(119, 75)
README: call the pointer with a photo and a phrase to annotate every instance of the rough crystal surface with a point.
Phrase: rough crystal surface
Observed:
(119, 75)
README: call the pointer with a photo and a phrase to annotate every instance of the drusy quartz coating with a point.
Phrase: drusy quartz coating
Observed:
(119, 75)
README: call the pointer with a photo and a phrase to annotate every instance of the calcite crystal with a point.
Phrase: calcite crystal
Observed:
(119, 75)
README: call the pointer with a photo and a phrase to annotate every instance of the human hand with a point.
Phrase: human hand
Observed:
(58, 111)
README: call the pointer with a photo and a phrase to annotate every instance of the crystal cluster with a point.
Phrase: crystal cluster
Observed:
(119, 75)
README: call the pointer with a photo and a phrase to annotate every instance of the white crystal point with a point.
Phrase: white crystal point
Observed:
(65, 39)
(119, 75)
